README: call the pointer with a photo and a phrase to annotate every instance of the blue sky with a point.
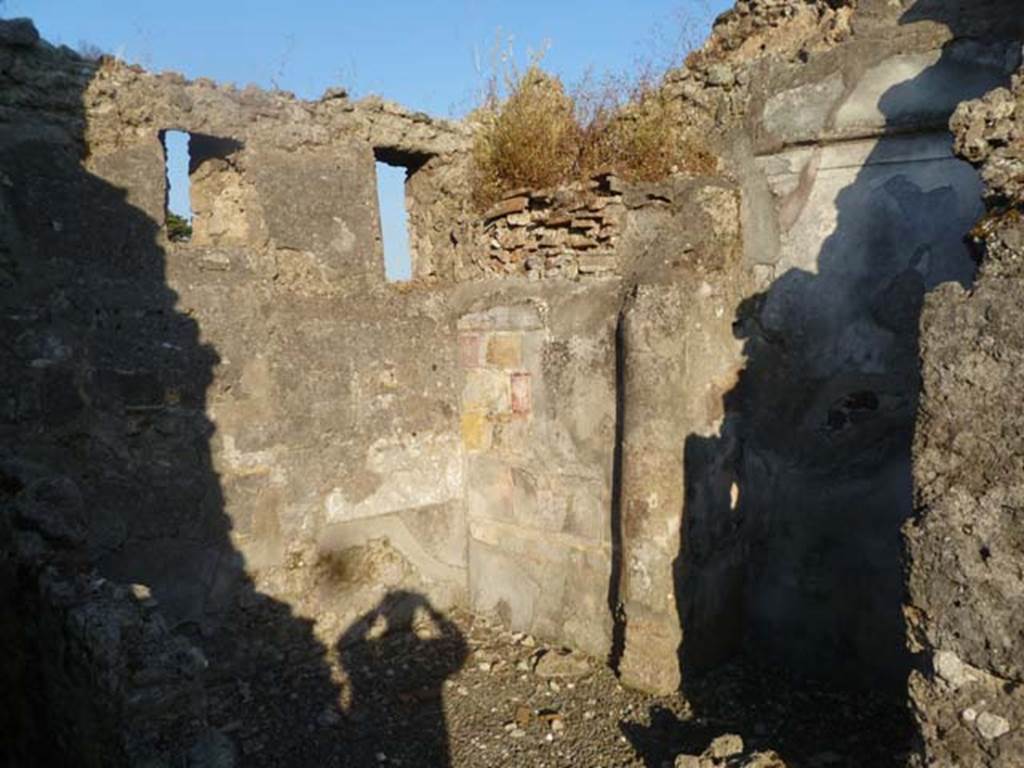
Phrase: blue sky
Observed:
(430, 55)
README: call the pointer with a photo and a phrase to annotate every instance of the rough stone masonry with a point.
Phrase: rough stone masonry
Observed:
(668, 424)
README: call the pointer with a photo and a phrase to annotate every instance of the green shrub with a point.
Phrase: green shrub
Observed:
(178, 228)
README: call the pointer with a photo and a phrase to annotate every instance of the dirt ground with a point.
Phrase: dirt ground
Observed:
(462, 691)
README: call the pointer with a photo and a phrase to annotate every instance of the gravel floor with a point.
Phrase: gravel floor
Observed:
(461, 691)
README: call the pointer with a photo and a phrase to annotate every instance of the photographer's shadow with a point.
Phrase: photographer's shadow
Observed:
(397, 658)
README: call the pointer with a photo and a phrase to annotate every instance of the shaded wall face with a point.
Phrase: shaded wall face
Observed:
(244, 417)
(828, 466)
(103, 388)
(965, 543)
(829, 395)
(108, 384)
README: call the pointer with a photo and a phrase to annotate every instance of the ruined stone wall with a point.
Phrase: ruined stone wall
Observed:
(264, 432)
(255, 434)
(244, 402)
(92, 673)
(565, 233)
(853, 208)
(546, 406)
(669, 423)
(259, 424)
(965, 542)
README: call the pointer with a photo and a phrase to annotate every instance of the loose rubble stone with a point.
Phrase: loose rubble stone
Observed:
(992, 726)
(561, 664)
(949, 667)
(721, 75)
(725, 746)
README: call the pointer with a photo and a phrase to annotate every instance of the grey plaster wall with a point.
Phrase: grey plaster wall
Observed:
(831, 389)
(538, 427)
(866, 210)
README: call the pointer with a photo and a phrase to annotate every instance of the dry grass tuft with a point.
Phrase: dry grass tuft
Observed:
(531, 132)
(643, 137)
(529, 139)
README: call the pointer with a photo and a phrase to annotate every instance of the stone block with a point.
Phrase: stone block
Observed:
(596, 263)
(525, 497)
(650, 659)
(585, 620)
(585, 515)
(505, 207)
(504, 585)
(440, 530)
(512, 436)
(509, 317)
(412, 471)
(427, 550)
(801, 114)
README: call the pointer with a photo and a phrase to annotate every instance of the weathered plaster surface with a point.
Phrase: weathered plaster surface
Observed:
(665, 423)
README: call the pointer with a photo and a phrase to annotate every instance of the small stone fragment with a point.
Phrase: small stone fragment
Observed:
(725, 746)
(561, 664)
(505, 207)
(952, 670)
(992, 726)
(523, 715)
(721, 75)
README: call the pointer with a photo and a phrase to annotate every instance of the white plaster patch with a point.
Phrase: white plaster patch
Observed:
(863, 107)
(417, 472)
(515, 317)
(345, 240)
(923, 87)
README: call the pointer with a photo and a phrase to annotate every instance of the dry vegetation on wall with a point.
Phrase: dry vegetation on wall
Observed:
(532, 132)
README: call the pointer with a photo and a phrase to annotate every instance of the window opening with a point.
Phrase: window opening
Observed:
(178, 213)
(394, 221)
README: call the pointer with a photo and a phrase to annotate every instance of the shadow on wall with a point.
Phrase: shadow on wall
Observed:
(105, 383)
(814, 461)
